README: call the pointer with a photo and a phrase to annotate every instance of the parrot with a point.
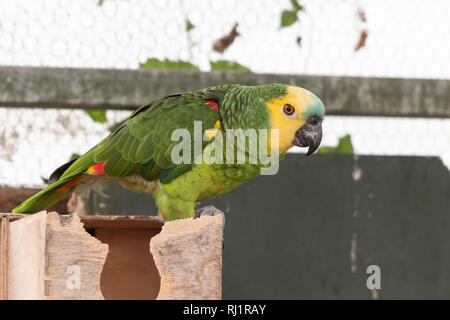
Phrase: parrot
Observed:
(139, 153)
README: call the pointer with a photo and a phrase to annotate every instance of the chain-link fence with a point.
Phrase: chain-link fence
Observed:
(405, 39)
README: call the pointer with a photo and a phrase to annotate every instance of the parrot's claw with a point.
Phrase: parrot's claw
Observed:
(209, 211)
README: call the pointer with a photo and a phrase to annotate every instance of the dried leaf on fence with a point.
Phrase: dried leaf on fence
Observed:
(362, 15)
(362, 40)
(223, 43)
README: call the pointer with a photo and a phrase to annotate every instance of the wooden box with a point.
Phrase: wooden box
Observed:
(52, 256)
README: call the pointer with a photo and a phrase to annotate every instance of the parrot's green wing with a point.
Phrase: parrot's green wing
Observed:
(143, 142)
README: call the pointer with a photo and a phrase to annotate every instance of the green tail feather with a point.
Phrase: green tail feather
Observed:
(50, 195)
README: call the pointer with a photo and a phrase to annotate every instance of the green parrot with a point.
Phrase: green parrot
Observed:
(142, 154)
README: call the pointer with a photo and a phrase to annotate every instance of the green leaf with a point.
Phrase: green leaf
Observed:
(297, 6)
(224, 65)
(97, 115)
(288, 17)
(154, 63)
(344, 146)
(189, 25)
(326, 149)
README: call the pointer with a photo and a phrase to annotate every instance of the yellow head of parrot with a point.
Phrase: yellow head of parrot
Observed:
(297, 116)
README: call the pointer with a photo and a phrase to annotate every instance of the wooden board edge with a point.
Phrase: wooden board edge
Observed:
(4, 257)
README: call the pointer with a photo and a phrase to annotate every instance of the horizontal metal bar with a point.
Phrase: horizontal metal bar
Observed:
(127, 89)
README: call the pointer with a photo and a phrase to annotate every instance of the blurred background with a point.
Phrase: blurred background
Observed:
(401, 47)
(399, 39)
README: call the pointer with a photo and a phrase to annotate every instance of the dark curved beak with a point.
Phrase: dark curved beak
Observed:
(310, 135)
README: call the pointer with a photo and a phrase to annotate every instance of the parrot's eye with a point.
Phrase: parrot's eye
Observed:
(289, 111)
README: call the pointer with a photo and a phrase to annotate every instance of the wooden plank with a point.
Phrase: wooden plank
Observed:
(75, 259)
(122, 222)
(13, 216)
(4, 246)
(26, 267)
(188, 255)
(127, 89)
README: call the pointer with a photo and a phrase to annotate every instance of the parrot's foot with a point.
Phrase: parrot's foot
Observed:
(209, 211)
